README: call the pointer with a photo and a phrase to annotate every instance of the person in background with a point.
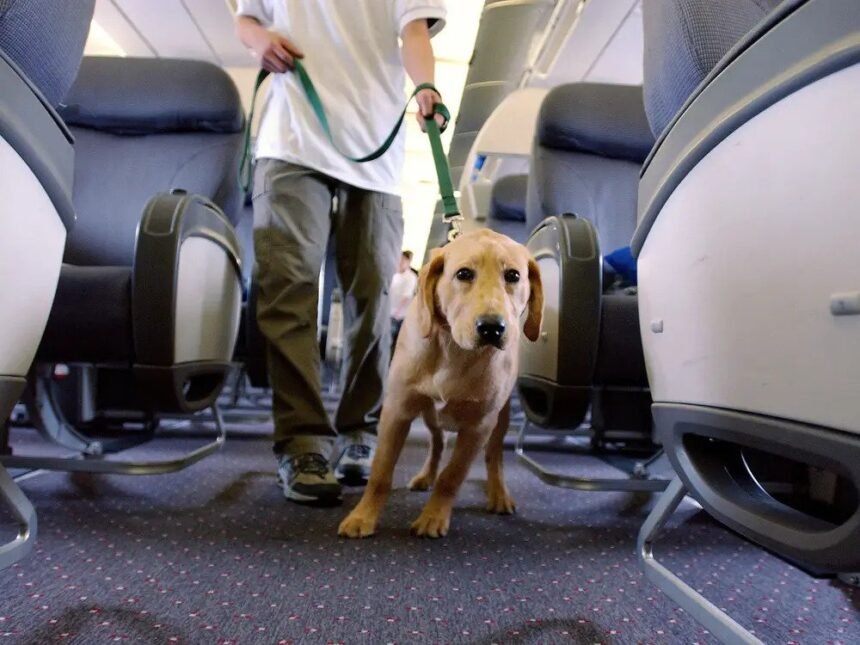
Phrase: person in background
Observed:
(403, 287)
(358, 53)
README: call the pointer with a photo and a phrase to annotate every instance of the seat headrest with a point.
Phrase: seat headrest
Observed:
(596, 118)
(45, 39)
(152, 96)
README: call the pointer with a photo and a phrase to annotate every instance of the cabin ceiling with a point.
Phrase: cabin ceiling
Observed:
(203, 29)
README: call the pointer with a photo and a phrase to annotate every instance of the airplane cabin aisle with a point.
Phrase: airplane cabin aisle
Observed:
(214, 554)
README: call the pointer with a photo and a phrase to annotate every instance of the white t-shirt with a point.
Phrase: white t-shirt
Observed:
(403, 286)
(352, 54)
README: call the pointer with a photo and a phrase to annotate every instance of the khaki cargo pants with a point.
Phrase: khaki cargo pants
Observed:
(295, 211)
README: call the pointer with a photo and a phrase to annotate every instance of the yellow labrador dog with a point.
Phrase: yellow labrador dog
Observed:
(455, 364)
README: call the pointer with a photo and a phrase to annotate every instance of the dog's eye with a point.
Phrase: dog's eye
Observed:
(465, 275)
(512, 275)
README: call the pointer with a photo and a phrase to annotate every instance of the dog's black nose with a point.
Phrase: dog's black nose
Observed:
(491, 329)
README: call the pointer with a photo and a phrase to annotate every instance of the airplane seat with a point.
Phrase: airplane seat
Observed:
(143, 127)
(589, 143)
(150, 292)
(37, 160)
(508, 207)
(749, 298)
(41, 44)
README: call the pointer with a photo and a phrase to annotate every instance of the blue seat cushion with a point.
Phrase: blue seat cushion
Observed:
(508, 200)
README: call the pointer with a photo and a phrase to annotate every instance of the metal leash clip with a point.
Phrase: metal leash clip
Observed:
(453, 223)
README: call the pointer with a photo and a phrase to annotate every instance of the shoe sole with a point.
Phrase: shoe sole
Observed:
(352, 475)
(308, 500)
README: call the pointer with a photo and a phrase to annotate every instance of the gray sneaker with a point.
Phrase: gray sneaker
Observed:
(307, 479)
(353, 467)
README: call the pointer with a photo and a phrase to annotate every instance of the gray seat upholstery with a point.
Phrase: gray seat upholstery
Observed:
(508, 207)
(589, 144)
(45, 38)
(144, 126)
(685, 41)
(508, 201)
(245, 231)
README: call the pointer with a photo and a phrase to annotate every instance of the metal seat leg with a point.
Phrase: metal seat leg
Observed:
(639, 483)
(709, 615)
(24, 512)
(98, 464)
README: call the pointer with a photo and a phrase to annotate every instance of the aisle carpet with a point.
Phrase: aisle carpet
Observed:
(214, 554)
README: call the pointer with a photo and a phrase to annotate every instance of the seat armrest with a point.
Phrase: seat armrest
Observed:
(167, 222)
(556, 373)
(183, 350)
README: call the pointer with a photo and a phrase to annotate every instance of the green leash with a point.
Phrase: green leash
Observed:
(451, 216)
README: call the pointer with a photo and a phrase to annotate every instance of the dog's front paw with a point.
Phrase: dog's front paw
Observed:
(432, 523)
(357, 525)
(499, 501)
(421, 481)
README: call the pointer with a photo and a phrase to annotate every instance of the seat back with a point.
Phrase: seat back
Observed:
(684, 40)
(508, 207)
(146, 126)
(589, 144)
(46, 39)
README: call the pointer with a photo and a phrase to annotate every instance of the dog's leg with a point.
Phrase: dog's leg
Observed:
(436, 516)
(361, 522)
(426, 477)
(498, 498)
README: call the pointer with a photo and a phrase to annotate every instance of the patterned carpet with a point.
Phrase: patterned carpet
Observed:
(214, 554)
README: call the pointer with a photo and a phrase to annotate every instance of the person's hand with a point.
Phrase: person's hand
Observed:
(275, 52)
(426, 100)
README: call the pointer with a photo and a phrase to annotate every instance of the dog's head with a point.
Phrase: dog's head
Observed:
(479, 286)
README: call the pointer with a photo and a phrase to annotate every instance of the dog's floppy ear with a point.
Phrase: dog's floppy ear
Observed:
(531, 328)
(427, 279)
